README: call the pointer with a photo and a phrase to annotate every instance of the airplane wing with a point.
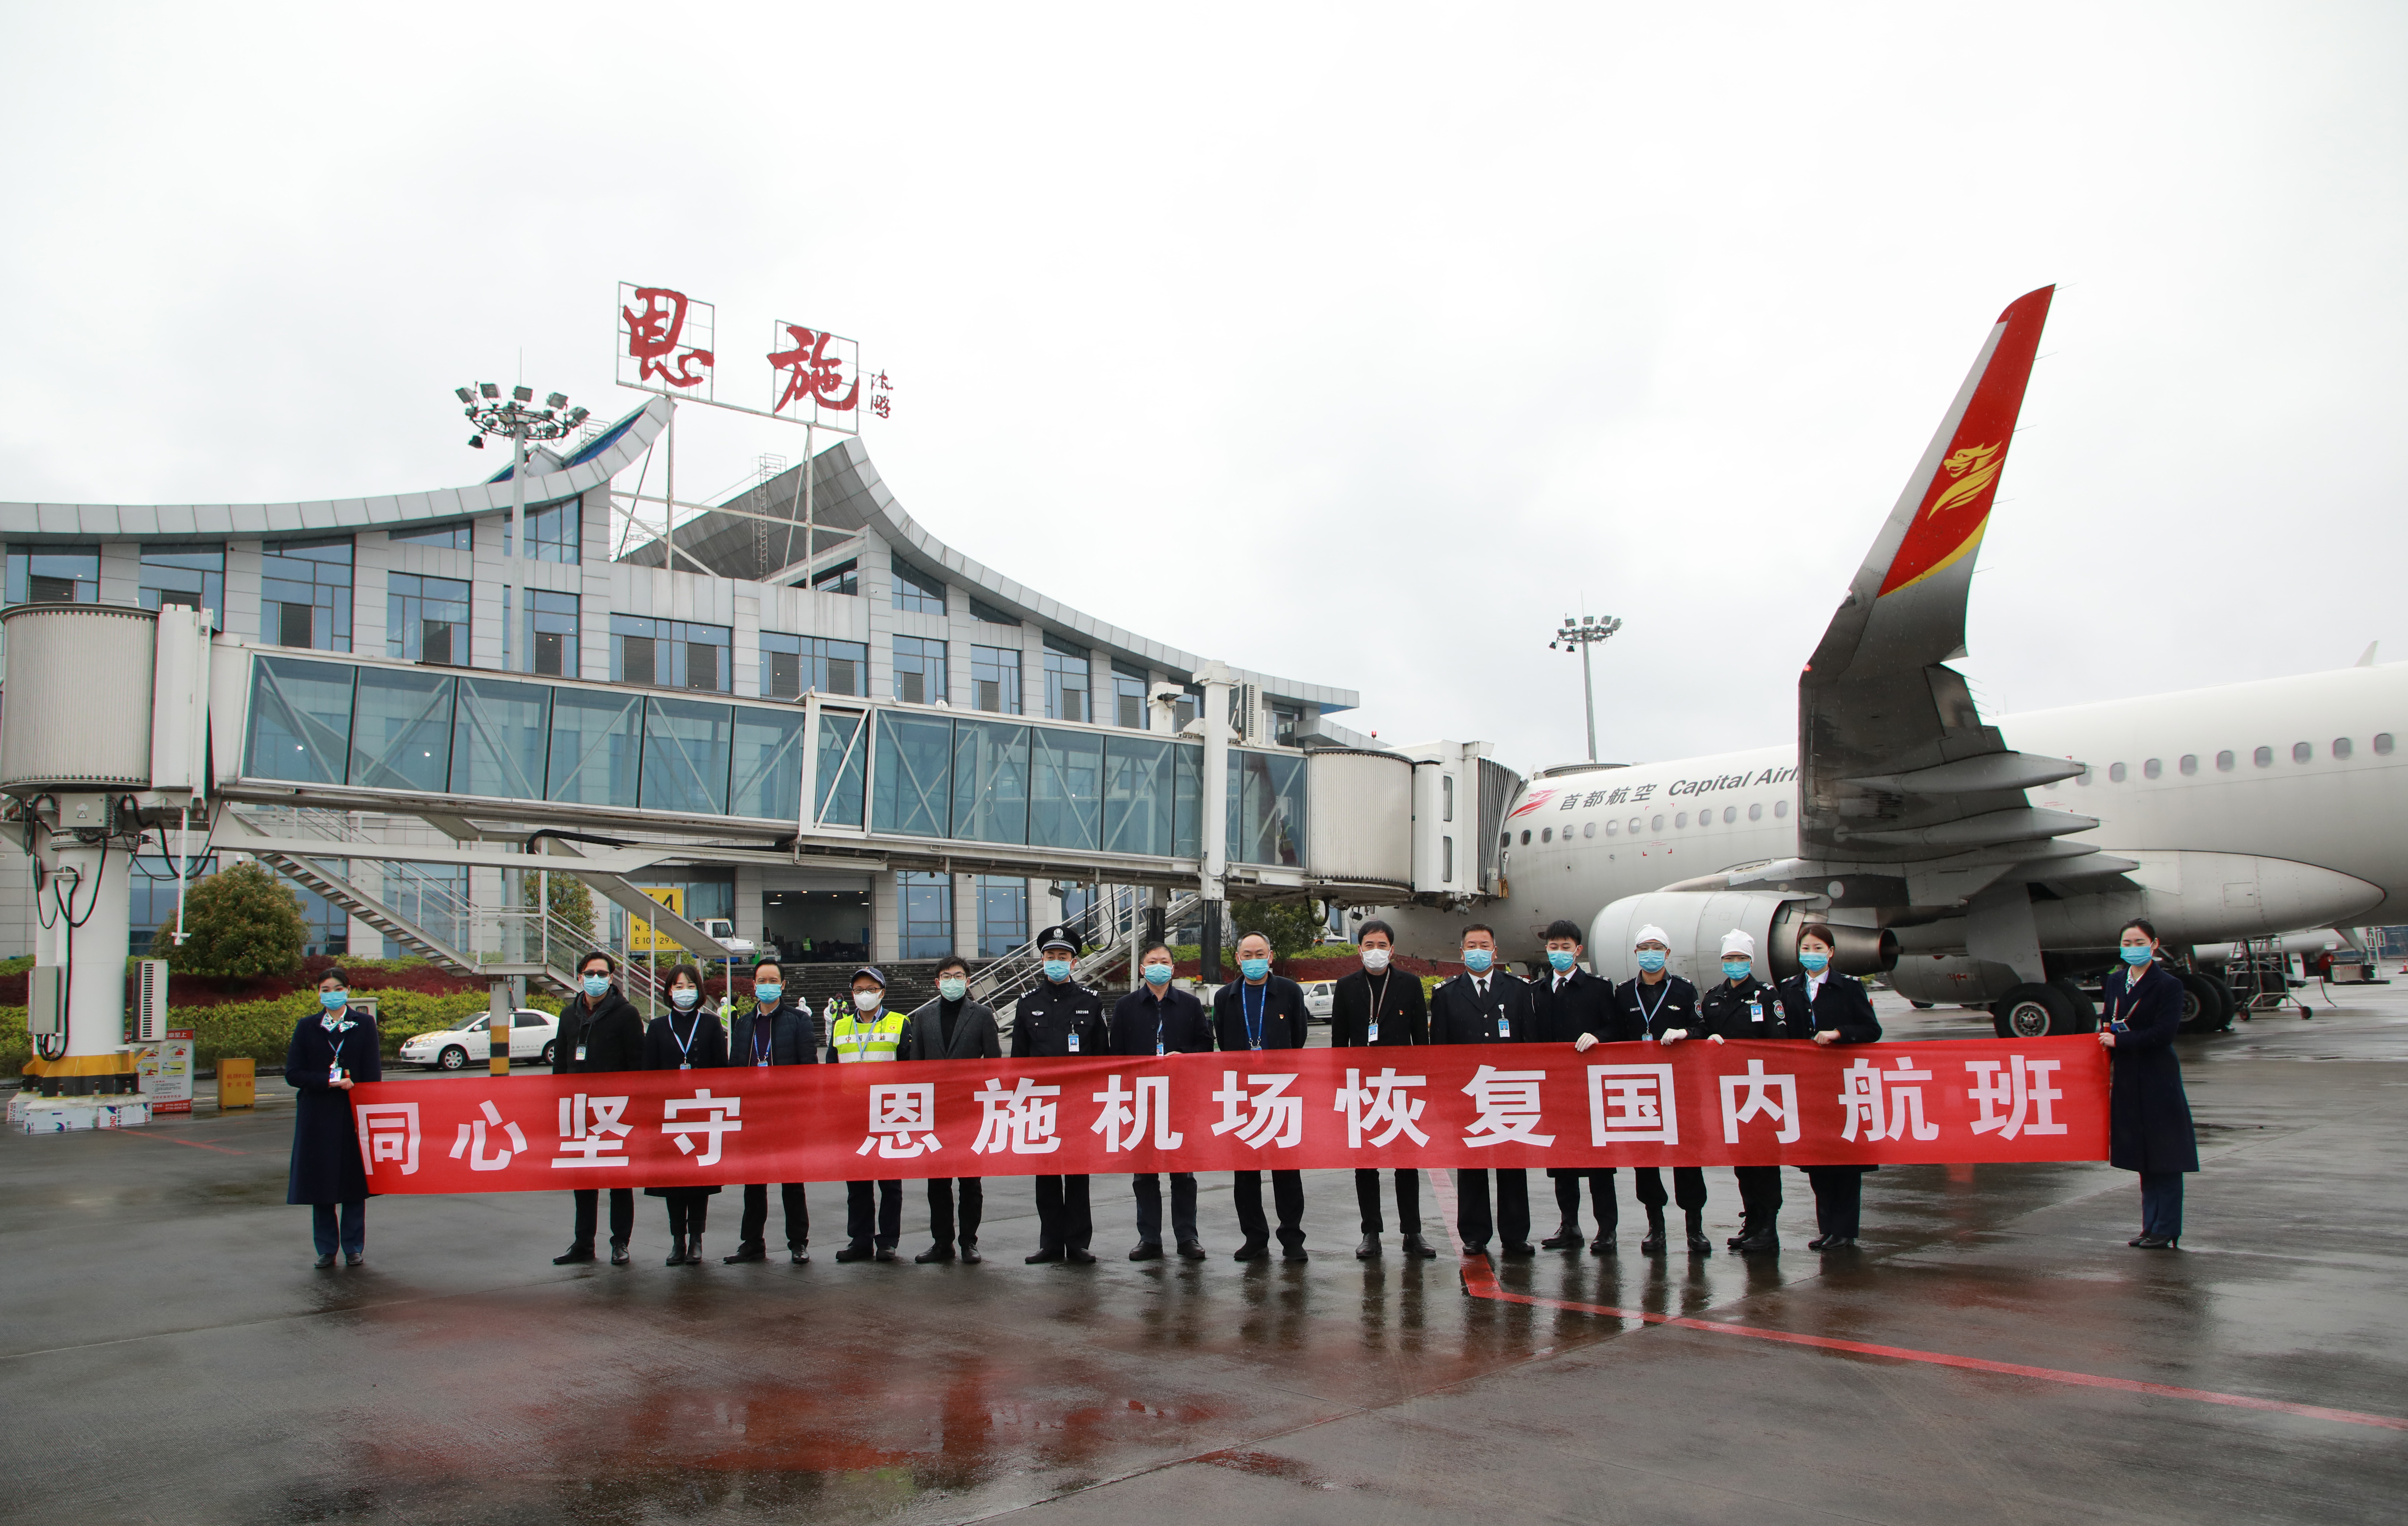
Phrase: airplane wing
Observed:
(1896, 767)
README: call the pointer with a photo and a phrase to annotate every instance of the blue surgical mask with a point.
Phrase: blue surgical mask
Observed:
(953, 987)
(2137, 954)
(333, 1001)
(1814, 962)
(1651, 959)
(1057, 969)
(1736, 969)
(597, 985)
(1560, 960)
(1254, 969)
(768, 992)
(1478, 959)
(1157, 975)
(683, 998)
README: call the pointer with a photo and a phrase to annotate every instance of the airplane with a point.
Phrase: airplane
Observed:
(1968, 861)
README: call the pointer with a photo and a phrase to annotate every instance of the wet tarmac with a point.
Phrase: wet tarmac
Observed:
(168, 1353)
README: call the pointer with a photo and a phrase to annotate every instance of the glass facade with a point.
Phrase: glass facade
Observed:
(925, 926)
(844, 578)
(919, 670)
(671, 653)
(980, 609)
(551, 633)
(305, 594)
(1002, 914)
(687, 748)
(459, 535)
(842, 768)
(191, 576)
(994, 679)
(54, 574)
(1266, 821)
(426, 619)
(1065, 682)
(553, 531)
(990, 781)
(1128, 697)
(792, 664)
(917, 590)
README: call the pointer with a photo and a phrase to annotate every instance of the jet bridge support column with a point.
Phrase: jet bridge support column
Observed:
(1214, 801)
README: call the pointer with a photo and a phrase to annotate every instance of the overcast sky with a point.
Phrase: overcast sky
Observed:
(1352, 343)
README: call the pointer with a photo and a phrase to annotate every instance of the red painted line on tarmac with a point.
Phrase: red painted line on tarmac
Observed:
(168, 1139)
(1480, 1281)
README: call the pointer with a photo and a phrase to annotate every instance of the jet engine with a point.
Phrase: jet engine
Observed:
(1694, 922)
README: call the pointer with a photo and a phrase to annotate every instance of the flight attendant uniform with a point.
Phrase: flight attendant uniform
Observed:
(325, 1172)
(1491, 1009)
(1651, 1011)
(2148, 1115)
(1826, 1003)
(685, 1041)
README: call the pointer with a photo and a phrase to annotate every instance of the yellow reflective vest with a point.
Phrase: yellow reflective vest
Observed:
(858, 1037)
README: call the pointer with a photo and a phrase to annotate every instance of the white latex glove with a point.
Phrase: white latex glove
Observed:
(1582, 1043)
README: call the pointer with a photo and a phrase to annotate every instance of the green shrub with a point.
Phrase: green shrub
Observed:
(239, 922)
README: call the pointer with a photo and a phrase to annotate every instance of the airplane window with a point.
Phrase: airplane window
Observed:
(2263, 757)
(1781, 807)
(2189, 764)
(2083, 778)
(2341, 747)
(1730, 814)
(1589, 830)
(1547, 835)
(1506, 841)
(2383, 744)
(1614, 829)
(1756, 812)
(2224, 762)
(1526, 836)
(2152, 769)
(1680, 821)
(1658, 825)
(2302, 752)
(1634, 824)
(2115, 773)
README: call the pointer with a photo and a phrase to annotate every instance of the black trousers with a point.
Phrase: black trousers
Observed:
(688, 1208)
(753, 1228)
(1149, 1208)
(942, 1226)
(1838, 1195)
(1409, 1201)
(1287, 1196)
(623, 1215)
(1759, 1195)
(1513, 1208)
(1063, 1220)
(861, 1207)
(1689, 1186)
(1600, 1194)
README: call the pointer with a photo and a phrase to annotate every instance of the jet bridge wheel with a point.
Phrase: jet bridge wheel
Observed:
(2035, 1011)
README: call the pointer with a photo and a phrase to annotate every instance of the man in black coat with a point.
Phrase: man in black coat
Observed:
(1061, 1019)
(1567, 1003)
(953, 1027)
(1743, 1007)
(1654, 1004)
(1380, 1007)
(1486, 1007)
(1159, 1018)
(600, 1032)
(772, 1032)
(1260, 1010)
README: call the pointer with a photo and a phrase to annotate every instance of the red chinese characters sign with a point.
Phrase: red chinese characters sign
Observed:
(815, 376)
(1503, 1104)
(664, 342)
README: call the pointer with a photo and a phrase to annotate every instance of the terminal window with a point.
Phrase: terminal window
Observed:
(553, 531)
(990, 614)
(305, 594)
(671, 653)
(919, 670)
(1066, 680)
(551, 633)
(994, 679)
(54, 574)
(1286, 719)
(455, 537)
(192, 577)
(926, 924)
(1128, 696)
(426, 619)
(1003, 915)
(791, 664)
(845, 578)
(917, 590)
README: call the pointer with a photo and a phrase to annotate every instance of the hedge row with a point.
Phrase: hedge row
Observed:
(262, 1030)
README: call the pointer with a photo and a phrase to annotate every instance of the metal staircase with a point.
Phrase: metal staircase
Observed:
(1103, 929)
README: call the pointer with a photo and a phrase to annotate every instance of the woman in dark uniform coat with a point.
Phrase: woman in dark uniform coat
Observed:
(686, 1037)
(331, 1048)
(2148, 1117)
(1829, 1009)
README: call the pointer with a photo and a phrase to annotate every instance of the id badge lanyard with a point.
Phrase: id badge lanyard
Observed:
(685, 1044)
(1256, 1012)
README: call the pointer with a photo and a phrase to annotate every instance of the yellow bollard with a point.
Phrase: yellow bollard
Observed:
(237, 1083)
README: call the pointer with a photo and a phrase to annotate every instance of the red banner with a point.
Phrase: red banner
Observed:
(1492, 1105)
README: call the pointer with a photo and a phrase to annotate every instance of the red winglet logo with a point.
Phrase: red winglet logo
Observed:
(1957, 501)
(1538, 798)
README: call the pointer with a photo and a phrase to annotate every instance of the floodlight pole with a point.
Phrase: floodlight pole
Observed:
(1584, 632)
(513, 578)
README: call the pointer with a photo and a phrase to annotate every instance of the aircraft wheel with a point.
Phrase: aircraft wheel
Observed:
(2201, 1012)
(1922, 1006)
(2085, 1011)
(2034, 1011)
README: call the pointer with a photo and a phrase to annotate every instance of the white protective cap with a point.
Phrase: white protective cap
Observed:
(1651, 933)
(1737, 942)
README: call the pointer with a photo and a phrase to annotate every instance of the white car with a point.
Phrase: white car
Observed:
(724, 931)
(531, 1038)
(1318, 995)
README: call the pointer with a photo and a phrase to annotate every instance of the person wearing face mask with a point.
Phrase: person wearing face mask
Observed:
(600, 1032)
(1379, 1005)
(1260, 1010)
(2148, 1114)
(1159, 1018)
(953, 1027)
(688, 1037)
(772, 1032)
(1658, 1004)
(332, 1048)
(1486, 1005)
(1829, 1009)
(1567, 1005)
(1741, 1006)
(1061, 1019)
(868, 1034)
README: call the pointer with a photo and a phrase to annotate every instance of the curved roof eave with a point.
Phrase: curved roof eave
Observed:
(858, 484)
(636, 431)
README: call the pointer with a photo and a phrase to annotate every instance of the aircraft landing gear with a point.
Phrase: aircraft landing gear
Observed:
(2207, 1004)
(2038, 1011)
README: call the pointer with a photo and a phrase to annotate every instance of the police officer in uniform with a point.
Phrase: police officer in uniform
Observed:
(1159, 1018)
(1379, 1007)
(1061, 1019)
(1744, 1007)
(868, 1034)
(1571, 1004)
(1260, 1010)
(1486, 1005)
(773, 1033)
(1658, 1004)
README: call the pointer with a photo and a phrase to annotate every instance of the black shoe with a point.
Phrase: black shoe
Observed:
(1191, 1250)
(1251, 1250)
(619, 1253)
(799, 1254)
(1601, 1246)
(1146, 1250)
(887, 1252)
(1653, 1243)
(355, 1258)
(1044, 1254)
(1760, 1243)
(676, 1251)
(1369, 1249)
(933, 1254)
(1519, 1249)
(328, 1259)
(576, 1255)
(747, 1252)
(1566, 1237)
(2153, 1242)
(1698, 1244)
(1294, 1254)
(1415, 1245)
(694, 1251)
(858, 1251)
(1079, 1255)
(1836, 1242)
(1817, 1243)
(1745, 1228)
(970, 1253)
